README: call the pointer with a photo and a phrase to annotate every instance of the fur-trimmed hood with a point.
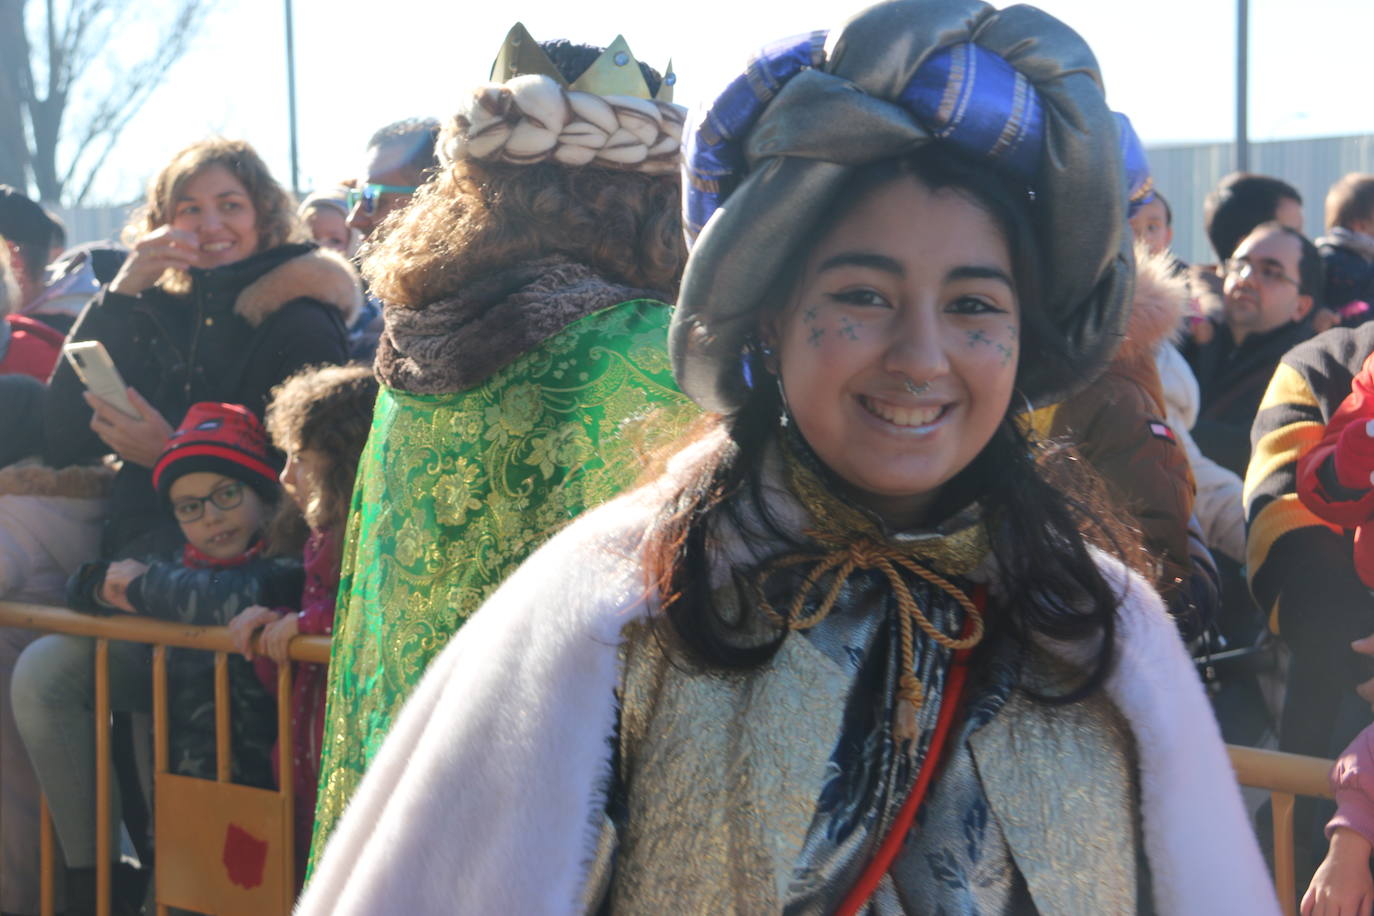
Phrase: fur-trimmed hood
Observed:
(320, 274)
(1156, 308)
(75, 482)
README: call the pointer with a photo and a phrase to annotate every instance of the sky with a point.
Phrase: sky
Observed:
(1168, 64)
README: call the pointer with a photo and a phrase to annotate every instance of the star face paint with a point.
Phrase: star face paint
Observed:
(911, 285)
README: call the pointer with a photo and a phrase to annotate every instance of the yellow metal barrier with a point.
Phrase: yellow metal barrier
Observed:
(254, 825)
(1286, 776)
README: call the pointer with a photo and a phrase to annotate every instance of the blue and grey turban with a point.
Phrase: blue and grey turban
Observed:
(1015, 87)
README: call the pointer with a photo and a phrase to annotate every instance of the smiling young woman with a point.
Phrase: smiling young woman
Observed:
(852, 650)
(217, 301)
(897, 353)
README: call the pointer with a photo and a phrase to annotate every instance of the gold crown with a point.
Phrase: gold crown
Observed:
(615, 72)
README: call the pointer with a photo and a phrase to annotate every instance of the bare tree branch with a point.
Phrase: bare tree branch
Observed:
(124, 102)
(77, 35)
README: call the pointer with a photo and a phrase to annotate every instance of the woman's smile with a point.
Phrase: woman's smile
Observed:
(906, 418)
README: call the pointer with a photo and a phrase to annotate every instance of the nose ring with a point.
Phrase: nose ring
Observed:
(916, 389)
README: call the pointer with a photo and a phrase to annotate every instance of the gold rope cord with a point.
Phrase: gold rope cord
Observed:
(854, 542)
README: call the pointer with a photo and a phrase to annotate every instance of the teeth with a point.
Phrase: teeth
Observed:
(217, 246)
(903, 416)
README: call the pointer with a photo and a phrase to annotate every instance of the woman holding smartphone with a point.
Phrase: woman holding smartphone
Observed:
(218, 301)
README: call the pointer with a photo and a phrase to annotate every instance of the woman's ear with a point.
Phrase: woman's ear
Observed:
(769, 334)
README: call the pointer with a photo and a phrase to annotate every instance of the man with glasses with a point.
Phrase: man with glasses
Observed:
(1271, 284)
(400, 157)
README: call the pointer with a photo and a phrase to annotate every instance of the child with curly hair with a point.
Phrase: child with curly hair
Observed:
(319, 418)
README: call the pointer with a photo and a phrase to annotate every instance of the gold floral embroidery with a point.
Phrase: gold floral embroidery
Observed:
(453, 498)
(455, 490)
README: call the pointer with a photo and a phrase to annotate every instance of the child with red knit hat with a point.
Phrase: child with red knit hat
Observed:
(218, 479)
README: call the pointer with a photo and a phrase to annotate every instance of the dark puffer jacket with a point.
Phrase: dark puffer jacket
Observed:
(173, 590)
(1232, 380)
(242, 329)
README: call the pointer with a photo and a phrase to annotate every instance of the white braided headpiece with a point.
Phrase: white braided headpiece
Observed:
(533, 119)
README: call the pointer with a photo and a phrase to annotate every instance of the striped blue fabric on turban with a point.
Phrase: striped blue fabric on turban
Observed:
(1140, 187)
(1014, 88)
(964, 94)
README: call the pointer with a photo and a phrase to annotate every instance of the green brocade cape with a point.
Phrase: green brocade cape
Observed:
(455, 490)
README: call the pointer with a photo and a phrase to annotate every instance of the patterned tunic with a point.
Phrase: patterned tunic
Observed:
(455, 490)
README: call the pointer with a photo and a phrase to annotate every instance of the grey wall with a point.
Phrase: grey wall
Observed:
(93, 224)
(1186, 173)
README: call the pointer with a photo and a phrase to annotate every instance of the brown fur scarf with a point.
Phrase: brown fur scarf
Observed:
(457, 343)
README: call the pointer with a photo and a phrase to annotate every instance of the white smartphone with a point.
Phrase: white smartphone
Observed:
(98, 373)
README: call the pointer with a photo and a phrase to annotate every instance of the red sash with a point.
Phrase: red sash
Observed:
(892, 843)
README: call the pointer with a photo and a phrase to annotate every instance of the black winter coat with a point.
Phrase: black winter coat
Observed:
(1349, 278)
(242, 329)
(1232, 380)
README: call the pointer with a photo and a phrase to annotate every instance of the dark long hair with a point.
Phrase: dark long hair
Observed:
(1043, 508)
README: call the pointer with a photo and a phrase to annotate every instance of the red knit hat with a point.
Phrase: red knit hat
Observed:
(222, 439)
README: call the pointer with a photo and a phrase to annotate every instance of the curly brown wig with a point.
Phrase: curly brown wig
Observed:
(476, 218)
(328, 410)
(275, 208)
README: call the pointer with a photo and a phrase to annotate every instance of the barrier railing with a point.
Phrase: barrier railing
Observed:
(1285, 776)
(248, 832)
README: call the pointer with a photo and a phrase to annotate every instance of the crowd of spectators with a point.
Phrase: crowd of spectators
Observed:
(226, 304)
(1246, 462)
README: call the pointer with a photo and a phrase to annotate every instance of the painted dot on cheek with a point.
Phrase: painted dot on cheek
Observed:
(815, 337)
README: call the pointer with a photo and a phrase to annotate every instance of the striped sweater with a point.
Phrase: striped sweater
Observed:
(1300, 566)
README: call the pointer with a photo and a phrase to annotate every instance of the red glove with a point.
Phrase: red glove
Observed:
(1354, 453)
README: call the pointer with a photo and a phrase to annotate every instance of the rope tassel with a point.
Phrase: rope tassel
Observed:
(867, 554)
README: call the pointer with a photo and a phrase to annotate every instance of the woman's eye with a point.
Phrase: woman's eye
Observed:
(973, 305)
(188, 211)
(859, 297)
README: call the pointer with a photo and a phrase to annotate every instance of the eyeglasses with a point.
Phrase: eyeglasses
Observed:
(1268, 271)
(369, 194)
(225, 496)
